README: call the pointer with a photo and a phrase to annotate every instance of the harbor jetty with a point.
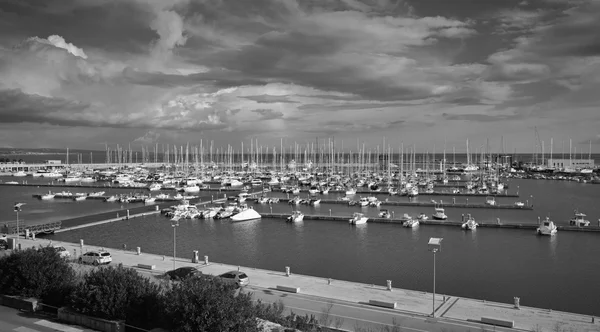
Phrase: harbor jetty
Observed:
(400, 221)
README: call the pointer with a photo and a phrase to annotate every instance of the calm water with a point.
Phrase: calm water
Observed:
(493, 264)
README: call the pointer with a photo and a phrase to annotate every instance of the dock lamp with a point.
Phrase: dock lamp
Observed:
(174, 224)
(434, 245)
(17, 209)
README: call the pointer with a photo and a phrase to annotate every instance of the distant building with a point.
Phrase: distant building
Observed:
(53, 162)
(570, 163)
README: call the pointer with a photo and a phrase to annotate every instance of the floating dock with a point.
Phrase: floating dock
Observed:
(399, 221)
(437, 193)
(466, 205)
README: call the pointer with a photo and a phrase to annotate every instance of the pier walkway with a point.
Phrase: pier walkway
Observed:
(58, 226)
(406, 306)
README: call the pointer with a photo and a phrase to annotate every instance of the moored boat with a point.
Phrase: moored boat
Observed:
(410, 222)
(358, 218)
(384, 214)
(248, 214)
(470, 224)
(579, 220)
(439, 214)
(296, 216)
(547, 227)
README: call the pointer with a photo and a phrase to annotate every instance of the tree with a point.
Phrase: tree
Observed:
(205, 303)
(118, 294)
(39, 273)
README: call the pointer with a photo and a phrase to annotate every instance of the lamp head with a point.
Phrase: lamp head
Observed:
(435, 244)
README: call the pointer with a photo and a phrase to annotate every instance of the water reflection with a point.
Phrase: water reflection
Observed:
(553, 244)
(361, 233)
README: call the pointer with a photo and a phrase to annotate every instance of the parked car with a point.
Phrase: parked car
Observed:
(237, 277)
(183, 273)
(62, 252)
(3, 244)
(96, 257)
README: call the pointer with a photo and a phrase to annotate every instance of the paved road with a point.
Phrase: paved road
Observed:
(357, 317)
(13, 320)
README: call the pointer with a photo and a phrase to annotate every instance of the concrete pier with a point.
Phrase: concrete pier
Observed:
(399, 221)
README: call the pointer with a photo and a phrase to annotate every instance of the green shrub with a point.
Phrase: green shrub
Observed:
(118, 293)
(39, 273)
(207, 304)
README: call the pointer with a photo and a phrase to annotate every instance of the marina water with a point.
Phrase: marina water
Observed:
(560, 272)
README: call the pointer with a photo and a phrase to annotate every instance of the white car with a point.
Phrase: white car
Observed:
(96, 257)
(62, 252)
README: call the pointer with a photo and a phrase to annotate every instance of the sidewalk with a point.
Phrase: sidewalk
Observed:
(407, 301)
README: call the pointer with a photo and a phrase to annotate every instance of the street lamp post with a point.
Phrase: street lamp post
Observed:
(434, 245)
(174, 225)
(17, 208)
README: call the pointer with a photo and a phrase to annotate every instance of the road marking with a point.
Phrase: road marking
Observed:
(24, 329)
(57, 327)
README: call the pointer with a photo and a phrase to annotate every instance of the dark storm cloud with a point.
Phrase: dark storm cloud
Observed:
(16, 107)
(100, 23)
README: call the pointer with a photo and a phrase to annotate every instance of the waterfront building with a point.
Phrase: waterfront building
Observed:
(570, 163)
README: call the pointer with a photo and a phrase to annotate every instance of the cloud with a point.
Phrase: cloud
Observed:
(267, 114)
(60, 42)
(149, 137)
(344, 67)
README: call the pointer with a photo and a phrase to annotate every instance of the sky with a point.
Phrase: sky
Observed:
(433, 73)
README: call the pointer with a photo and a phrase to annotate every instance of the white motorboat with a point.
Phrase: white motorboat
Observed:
(19, 174)
(363, 201)
(491, 201)
(210, 212)
(384, 214)
(52, 174)
(413, 192)
(519, 204)
(579, 220)
(358, 218)
(79, 198)
(191, 189)
(422, 217)
(47, 196)
(149, 200)
(439, 214)
(296, 216)
(547, 227)
(111, 199)
(410, 222)
(248, 214)
(155, 187)
(470, 224)
(351, 191)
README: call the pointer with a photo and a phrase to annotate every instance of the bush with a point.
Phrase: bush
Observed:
(39, 273)
(206, 304)
(118, 294)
